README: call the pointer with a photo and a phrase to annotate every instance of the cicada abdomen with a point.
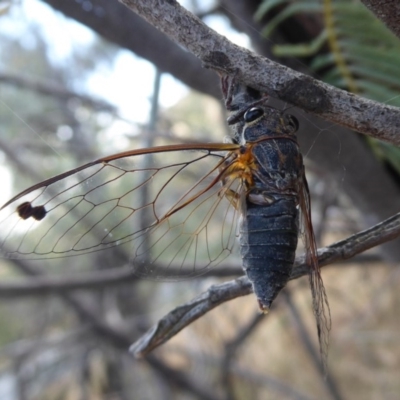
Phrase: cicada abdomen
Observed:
(269, 228)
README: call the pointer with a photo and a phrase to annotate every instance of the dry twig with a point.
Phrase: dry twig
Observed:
(216, 52)
(180, 317)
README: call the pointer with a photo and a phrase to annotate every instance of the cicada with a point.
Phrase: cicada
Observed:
(199, 199)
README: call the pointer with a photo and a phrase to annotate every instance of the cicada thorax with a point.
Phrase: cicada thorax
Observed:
(269, 228)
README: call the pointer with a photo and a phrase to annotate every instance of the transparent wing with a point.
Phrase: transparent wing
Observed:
(168, 203)
(319, 297)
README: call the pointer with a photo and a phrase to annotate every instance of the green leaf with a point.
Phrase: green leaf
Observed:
(295, 8)
(300, 50)
(369, 50)
(266, 6)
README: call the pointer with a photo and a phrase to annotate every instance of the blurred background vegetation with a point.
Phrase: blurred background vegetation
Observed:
(74, 86)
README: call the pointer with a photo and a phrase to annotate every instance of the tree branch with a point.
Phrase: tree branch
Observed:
(216, 52)
(231, 349)
(329, 382)
(43, 285)
(55, 91)
(182, 316)
(119, 338)
(111, 20)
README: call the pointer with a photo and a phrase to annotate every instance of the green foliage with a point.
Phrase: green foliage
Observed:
(287, 12)
(363, 57)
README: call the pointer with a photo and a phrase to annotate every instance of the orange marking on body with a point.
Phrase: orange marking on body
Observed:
(242, 167)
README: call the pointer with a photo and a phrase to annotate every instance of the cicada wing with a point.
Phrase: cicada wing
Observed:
(319, 297)
(197, 236)
(171, 213)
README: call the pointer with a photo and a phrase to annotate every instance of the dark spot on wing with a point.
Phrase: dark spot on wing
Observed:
(25, 211)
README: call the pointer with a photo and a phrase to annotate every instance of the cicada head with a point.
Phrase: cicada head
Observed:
(250, 116)
(238, 98)
(237, 95)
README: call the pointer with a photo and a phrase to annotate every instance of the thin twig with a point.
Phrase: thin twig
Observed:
(22, 347)
(328, 381)
(180, 317)
(119, 338)
(383, 232)
(244, 374)
(97, 280)
(43, 285)
(271, 383)
(54, 90)
(231, 349)
(217, 52)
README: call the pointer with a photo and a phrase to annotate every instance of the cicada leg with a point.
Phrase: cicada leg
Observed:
(232, 196)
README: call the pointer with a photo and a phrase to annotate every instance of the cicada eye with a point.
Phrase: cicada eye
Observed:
(291, 123)
(253, 114)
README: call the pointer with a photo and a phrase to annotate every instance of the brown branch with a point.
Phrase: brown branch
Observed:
(111, 20)
(388, 11)
(329, 382)
(23, 347)
(43, 285)
(246, 374)
(180, 317)
(270, 382)
(383, 232)
(51, 89)
(215, 51)
(119, 338)
(231, 349)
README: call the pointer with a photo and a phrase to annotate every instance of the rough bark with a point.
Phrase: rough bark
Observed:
(318, 98)
(173, 322)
